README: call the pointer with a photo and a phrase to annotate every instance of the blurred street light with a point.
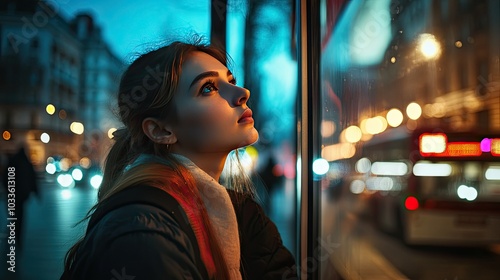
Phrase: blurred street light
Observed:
(6, 135)
(76, 128)
(394, 117)
(353, 134)
(414, 111)
(50, 109)
(45, 137)
(429, 46)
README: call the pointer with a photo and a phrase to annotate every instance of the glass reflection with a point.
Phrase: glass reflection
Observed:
(412, 89)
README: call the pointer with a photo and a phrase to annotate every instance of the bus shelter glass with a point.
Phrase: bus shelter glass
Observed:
(410, 129)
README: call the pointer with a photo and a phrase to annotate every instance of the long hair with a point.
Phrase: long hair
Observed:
(146, 89)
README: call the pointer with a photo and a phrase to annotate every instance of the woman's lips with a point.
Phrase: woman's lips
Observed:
(246, 117)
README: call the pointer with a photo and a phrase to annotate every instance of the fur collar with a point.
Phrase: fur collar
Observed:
(219, 208)
(221, 213)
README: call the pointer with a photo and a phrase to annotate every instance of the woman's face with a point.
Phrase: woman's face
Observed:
(212, 112)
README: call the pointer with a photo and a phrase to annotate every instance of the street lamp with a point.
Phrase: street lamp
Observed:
(429, 46)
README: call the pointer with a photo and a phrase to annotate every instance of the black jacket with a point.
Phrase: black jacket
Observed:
(140, 241)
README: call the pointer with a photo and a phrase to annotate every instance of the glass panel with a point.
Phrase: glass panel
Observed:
(410, 128)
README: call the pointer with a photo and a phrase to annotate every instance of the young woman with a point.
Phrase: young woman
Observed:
(183, 114)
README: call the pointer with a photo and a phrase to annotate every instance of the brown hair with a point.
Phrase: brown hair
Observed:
(146, 89)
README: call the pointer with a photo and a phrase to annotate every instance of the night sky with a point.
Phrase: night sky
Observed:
(133, 26)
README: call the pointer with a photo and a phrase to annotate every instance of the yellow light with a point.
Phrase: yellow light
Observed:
(76, 128)
(383, 123)
(50, 109)
(414, 111)
(65, 164)
(458, 44)
(393, 59)
(394, 117)
(436, 110)
(376, 125)
(362, 126)
(338, 151)
(110, 132)
(459, 149)
(353, 134)
(6, 135)
(85, 162)
(429, 46)
(327, 128)
(371, 126)
(432, 143)
(252, 152)
(495, 147)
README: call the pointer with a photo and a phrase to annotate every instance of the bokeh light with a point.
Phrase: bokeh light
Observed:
(76, 128)
(85, 162)
(50, 109)
(429, 46)
(413, 111)
(321, 166)
(353, 134)
(110, 132)
(376, 125)
(45, 138)
(394, 117)
(327, 128)
(6, 135)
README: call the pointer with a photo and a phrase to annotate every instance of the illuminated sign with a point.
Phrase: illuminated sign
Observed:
(437, 145)
(462, 149)
(432, 143)
(432, 169)
(495, 147)
(389, 168)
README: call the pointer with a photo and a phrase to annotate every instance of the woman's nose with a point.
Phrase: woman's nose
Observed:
(240, 95)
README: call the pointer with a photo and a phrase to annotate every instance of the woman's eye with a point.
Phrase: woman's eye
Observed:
(208, 88)
(232, 81)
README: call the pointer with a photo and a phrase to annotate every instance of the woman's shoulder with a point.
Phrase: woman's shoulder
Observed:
(139, 208)
(137, 217)
(148, 241)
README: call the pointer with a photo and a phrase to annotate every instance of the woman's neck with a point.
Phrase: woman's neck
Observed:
(212, 164)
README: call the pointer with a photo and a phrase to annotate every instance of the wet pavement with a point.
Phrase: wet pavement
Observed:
(50, 229)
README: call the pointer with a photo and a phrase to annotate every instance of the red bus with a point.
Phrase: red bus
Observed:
(433, 187)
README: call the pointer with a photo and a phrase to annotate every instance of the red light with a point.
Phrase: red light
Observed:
(411, 203)
(464, 149)
(459, 149)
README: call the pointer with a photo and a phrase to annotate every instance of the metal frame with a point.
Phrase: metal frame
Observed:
(308, 191)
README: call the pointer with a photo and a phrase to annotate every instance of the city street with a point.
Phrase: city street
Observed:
(50, 228)
(364, 252)
(49, 231)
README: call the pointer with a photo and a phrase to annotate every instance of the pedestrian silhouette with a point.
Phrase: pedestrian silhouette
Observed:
(25, 183)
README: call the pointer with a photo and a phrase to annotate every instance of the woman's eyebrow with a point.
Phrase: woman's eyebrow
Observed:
(208, 74)
(204, 75)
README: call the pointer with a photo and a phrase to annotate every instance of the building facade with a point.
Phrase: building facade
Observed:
(457, 57)
(54, 72)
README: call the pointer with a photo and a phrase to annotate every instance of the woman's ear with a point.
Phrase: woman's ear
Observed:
(158, 132)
